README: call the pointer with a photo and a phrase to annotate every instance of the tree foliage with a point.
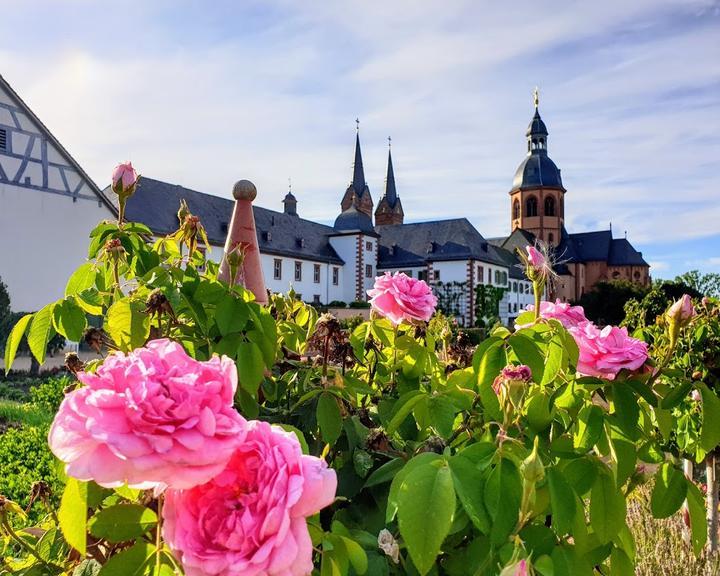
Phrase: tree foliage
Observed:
(605, 303)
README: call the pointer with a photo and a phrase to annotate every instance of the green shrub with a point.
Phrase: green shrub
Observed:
(48, 394)
(337, 304)
(26, 458)
(359, 304)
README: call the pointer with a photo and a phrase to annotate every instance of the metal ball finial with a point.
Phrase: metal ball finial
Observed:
(244, 190)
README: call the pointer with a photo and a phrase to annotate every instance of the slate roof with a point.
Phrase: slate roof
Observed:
(537, 170)
(353, 220)
(622, 253)
(440, 240)
(156, 203)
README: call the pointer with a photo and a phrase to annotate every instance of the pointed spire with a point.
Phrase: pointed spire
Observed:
(390, 190)
(358, 181)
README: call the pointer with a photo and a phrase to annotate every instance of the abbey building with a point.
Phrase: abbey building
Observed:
(48, 203)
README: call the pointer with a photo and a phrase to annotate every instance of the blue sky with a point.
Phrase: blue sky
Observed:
(205, 93)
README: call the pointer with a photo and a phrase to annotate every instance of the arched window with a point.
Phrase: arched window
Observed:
(549, 206)
(516, 209)
(531, 206)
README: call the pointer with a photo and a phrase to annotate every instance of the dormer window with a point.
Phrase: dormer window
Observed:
(3, 139)
(224, 227)
(300, 242)
(267, 236)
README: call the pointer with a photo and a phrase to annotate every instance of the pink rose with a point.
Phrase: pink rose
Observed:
(400, 298)
(516, 569)
(150, 418)
(566, 314)
(124, 179)
(250, 519)
(682, 311)
(536, 259)
(603, 353)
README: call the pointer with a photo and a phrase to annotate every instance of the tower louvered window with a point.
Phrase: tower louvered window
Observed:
(3, 139)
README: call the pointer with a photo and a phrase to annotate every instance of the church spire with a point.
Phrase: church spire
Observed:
(358, 181)
(389, 210)
(390, 190)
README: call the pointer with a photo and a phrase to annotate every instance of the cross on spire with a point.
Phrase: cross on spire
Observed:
(389, 142)
(357, 124)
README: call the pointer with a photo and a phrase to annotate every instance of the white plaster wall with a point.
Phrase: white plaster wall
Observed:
(307, 287)
(369, 247)
(451, 271)
(411, 271)
(346, 248)
(43, 238)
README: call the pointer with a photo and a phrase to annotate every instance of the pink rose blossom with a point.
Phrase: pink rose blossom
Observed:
(566, 314)
(400, 298)
(151, 418)
(536, 259)
(603, 353)
(124, 178)
(250, 519)
(681, 311)
(517, 569)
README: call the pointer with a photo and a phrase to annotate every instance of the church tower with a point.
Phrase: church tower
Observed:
(389, 210)
(537, 197)
(358, 193)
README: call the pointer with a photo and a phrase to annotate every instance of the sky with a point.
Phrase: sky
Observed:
(205, 93)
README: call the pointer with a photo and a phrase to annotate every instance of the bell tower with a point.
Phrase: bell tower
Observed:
(537, 197)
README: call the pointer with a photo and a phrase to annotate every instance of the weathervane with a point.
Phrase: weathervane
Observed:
(289, 184)
(536, 97)
(357, 124)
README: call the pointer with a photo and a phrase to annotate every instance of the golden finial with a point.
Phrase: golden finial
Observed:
(536, 97)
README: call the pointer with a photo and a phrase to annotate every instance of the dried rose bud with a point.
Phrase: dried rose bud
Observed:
(95, 338)
(388, 544)
(73, 363)
(697, 375)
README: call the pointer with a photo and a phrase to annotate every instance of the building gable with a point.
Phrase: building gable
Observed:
(31, 157)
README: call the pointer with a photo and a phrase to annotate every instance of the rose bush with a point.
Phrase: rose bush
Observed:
(432, 471)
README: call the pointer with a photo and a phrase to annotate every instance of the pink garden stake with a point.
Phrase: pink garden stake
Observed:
(243, 236)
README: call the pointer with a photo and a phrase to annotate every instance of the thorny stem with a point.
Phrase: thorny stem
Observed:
(158, 535)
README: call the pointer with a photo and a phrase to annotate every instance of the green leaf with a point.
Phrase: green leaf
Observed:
(426, 506)
(122, 522)
(627, 410)
(561, 501)
(41, 331)
(131, 562)
(403, 407)
(442, 415)
(589, 428)
(385, 473)
(231, 315)
(676, 395)
(669, 491)
(13, 341)
(69, 319)
(329, 417)
(88, 567)
(469, 483)
(620, 564)
(358, 557)
(127, 324)
(539, 412)
(328, 567)
(528, 353)
(503, 492)
(553, 359)
(698, 523)
(607, 507)
(82, 279)
(416, 462)
(491, 363)
(710, 432)
(251, 367)
(72, 514)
